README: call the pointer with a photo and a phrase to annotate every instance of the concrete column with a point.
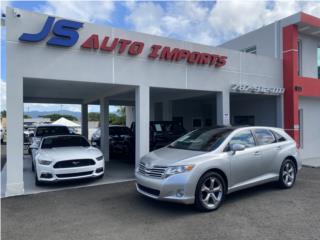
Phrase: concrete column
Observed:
(84, 120)
(129, 115)
(104, 126)
(15, 185)
(223, 108)
(142, 121)
(167, 110)
(280, 111)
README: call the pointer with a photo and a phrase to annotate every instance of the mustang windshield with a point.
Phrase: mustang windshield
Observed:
(202, 139)
(65, 141)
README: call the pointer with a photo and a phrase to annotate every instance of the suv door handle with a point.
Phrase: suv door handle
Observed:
(257, 153)
(278, 148)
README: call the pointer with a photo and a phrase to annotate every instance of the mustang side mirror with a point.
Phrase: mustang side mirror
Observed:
(237, 147)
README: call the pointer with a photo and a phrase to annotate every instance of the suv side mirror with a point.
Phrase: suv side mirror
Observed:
(237, 147)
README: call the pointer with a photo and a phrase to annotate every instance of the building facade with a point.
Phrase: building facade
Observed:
(55, 60)
(295, 40)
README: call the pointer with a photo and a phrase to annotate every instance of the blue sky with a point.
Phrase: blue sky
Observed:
(210, 22)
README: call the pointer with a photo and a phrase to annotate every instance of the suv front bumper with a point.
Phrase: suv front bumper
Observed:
(176, 188)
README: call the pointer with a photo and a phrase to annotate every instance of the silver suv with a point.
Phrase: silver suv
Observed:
(206, 164)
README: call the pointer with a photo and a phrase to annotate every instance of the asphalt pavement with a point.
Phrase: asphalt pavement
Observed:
(116, 211)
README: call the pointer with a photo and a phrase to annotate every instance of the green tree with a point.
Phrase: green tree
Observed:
(3, 113)
(25, 116)
(93, 116)
(115, 119)
(55, 116)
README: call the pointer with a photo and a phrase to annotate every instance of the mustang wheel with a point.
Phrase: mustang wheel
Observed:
(287, 176)
(210, 192)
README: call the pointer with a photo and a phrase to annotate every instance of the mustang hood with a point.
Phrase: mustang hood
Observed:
(169, 156)
(69, 153)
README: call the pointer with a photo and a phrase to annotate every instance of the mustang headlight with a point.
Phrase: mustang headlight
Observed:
(100, 158)
(44, 162)
(178, 169)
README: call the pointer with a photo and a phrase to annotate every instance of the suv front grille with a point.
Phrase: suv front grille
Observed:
(74, 163)
(155, 171)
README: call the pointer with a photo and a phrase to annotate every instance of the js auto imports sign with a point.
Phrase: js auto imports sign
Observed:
(65, 34)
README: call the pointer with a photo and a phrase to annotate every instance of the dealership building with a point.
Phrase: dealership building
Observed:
(267, 77)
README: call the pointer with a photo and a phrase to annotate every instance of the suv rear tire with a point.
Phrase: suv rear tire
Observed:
(288, 173)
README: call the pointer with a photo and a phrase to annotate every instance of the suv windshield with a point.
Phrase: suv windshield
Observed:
(202, 139)
(51, 131)
(65, 141)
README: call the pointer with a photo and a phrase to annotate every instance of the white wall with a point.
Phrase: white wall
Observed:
(309, 55)
(263, 38)
(311, 127)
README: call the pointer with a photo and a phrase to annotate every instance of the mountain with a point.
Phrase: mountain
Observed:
(36, 114)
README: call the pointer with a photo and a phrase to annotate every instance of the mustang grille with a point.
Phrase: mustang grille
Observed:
(67, 175)
(74, 163)
(155, 171)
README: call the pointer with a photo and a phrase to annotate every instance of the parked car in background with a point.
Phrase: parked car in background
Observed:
(2, 132)
(42, 131)
(66, 157)
(163, 132)
(121, 140)
(206, 164)
(28, 132)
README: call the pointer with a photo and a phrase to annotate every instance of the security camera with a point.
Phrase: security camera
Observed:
(16, 13)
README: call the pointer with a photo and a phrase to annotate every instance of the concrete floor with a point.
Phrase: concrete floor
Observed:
(117, 170)
(312, 162)
(116, 211)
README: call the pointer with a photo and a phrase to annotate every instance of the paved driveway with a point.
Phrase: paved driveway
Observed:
(117, 212)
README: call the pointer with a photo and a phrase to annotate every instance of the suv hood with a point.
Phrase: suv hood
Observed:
(169, 156)
(69, 153)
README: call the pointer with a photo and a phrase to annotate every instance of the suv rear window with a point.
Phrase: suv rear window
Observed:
(264, 136)
(279, 137)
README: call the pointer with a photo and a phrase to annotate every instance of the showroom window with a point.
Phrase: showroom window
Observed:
(252, 49)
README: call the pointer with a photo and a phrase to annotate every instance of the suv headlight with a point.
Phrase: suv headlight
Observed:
(100, 158)
(178, 169)
(44, 162)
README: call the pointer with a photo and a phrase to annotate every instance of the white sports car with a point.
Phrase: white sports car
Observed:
(66, 157)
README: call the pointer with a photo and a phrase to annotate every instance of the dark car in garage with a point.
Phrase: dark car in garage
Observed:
(121, 140)
(163, 132)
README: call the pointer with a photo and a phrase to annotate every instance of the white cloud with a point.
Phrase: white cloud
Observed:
(88, 11)
(211, 23)
(146, 17)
